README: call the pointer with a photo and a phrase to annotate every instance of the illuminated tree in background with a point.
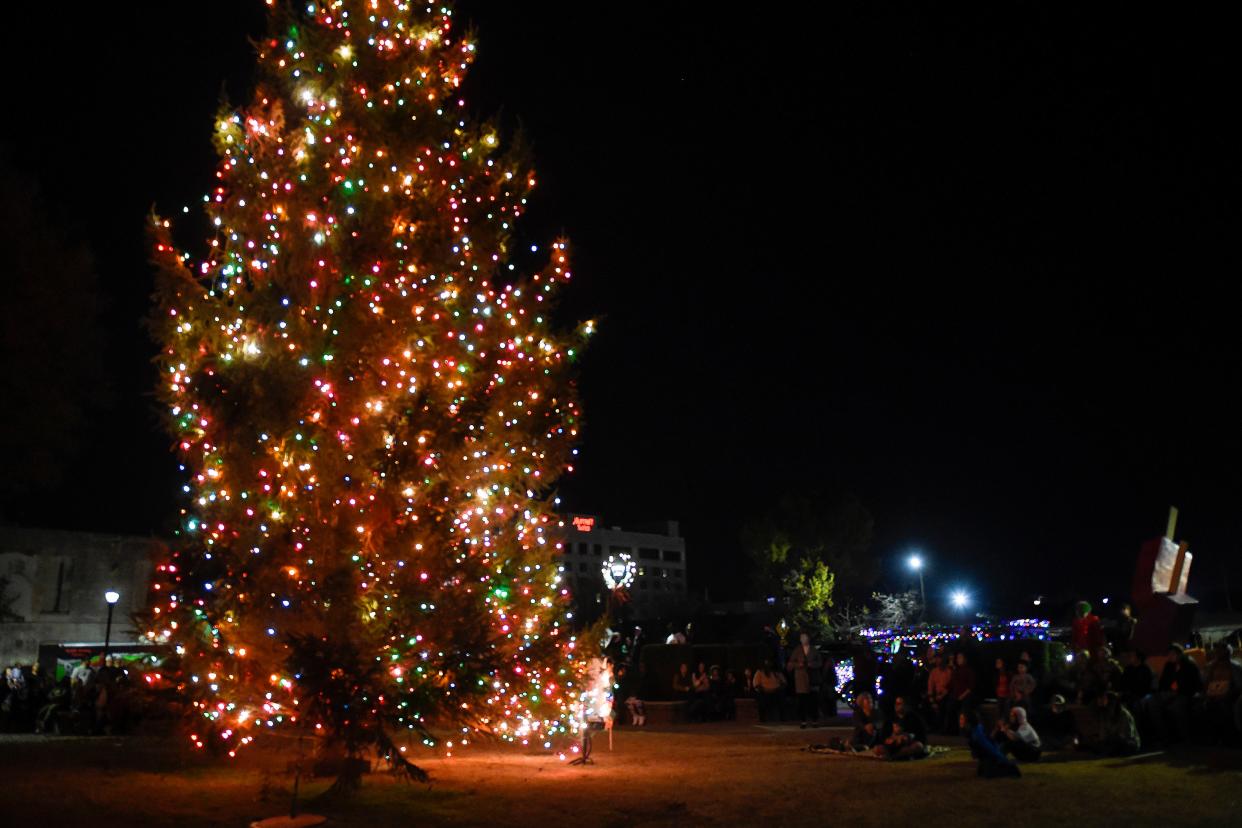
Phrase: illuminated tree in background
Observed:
(370, 403)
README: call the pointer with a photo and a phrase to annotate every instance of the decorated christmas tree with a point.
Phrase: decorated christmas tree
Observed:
(371, 404)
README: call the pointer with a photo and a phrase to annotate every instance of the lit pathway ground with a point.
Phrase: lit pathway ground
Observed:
(717, 774)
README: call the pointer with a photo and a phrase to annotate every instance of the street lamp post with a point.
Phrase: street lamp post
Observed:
(111, 596)
(916, 563)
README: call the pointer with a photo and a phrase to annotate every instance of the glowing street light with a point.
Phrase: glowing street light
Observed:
(111, 597)
(960, 599)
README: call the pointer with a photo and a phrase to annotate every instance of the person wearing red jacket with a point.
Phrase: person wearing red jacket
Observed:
(1086, 633)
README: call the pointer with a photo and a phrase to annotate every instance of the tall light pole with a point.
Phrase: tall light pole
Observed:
(915, 562)
(111, 596)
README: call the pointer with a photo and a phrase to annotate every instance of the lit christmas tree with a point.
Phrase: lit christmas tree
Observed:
(371, 405)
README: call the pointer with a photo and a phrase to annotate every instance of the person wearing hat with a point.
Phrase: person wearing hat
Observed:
(1059, 728)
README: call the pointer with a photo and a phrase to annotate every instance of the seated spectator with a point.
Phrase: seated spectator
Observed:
(1100, 675)
(769, 686)
(1218, 710)
(907, 734)
(1022, 686)
(938, 680)
(683, 689)
(992, 762)
(1114, 732)
(1137, 679)
(1059, 727)
(1016, 736)
(701, 701)
(1168, 709)
(626, 690)
(720, 703)
(868, 724)
(746, 687)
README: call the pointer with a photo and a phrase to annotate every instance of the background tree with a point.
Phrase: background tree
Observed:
(895, 609)
(371, 405)
(829, 528)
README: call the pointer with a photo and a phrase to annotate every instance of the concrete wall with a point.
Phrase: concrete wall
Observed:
(56, 585)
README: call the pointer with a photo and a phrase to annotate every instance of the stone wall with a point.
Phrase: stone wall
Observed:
(55, 587)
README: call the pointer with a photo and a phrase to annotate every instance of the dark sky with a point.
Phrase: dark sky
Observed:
(976, 267)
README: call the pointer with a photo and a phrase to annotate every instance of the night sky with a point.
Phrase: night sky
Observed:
(974, 267)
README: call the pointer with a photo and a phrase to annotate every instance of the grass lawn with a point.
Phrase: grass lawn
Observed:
(717, 774)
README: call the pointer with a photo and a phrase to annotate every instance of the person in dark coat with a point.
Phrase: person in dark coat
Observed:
(807, 667)
(1168, 709)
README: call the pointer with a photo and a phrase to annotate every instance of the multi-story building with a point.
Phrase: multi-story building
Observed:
(659, 552)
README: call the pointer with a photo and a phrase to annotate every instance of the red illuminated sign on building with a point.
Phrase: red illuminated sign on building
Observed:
(584, 524)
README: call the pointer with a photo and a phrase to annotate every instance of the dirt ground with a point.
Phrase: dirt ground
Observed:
(712, 775)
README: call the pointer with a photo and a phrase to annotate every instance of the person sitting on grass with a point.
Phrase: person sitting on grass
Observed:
(1217, 710)
(1022, 687)
(769, 688)
(1060, 729)
(868, 724)
(1016, 737)
(907, 734)
(992, 763)
(1115, 733)
(1180, 682)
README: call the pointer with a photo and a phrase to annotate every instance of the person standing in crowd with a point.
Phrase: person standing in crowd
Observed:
(961, 688)
(806, 665)
(1000, 688)
(1123, 627)
(1137, 679)
(938, 680)
(1022, 686)
(899, 681)
(1016, 736)
(1086, 633)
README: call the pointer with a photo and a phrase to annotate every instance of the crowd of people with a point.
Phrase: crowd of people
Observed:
(1106, 700)
(91, 699)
